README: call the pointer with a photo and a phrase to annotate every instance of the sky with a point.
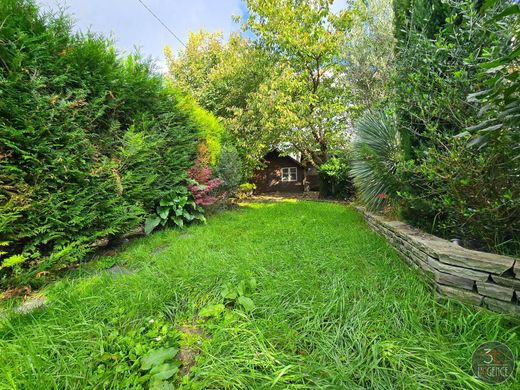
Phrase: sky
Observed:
(132, 26)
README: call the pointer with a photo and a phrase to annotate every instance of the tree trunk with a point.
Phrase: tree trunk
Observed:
(306, 185)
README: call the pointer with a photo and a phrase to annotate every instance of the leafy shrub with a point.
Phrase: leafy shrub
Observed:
(499, 93)
(233, 296)
(377, 150)
(246, 190)
(461, 192)
(178, 207)
(204, 187)
(433, 176)
(247, 187)
(89, 142)
(140, 356)
(210, 126)
(335, 178)
(229, 169)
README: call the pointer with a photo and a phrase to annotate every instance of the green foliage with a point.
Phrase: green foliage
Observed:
(355, 316)
(212, 310)
(211, 129)
(335, 177)
(178, 207)
(246, 190)
(500, 93)
(368, 51)
(445, 52)
(238, 295)
(377, 150)
(233, 296)
(424, 17)
(247, 187)
(229, 169)
(461, 192)
(301, 105)
(143, 355)
(88, 142)
(219, 75)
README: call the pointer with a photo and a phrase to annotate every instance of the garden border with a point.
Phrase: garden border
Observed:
(477, 278)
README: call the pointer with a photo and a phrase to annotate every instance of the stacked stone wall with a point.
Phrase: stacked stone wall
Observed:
(477, 278)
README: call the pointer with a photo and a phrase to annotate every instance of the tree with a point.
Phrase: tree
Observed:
(301, 107)
(219, 75)
(368, 50)
(189, 70)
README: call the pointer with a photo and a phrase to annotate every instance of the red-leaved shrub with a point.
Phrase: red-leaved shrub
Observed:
(205, 189)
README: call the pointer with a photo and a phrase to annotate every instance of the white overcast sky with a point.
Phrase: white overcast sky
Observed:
(131, 25)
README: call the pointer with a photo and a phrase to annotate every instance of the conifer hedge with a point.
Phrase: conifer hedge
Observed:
(89, 142)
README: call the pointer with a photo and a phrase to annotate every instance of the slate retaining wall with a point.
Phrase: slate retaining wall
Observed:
(477, 278)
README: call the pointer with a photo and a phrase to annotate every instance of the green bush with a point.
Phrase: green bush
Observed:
(465, 193)
(229, 169)
(423, 162)
(178, 207)
(89, 142)
(335, 178)
(211, 128)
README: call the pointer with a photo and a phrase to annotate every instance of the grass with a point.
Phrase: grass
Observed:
(334, 308)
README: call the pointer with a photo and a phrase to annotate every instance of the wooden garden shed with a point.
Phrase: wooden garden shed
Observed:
(284, 174)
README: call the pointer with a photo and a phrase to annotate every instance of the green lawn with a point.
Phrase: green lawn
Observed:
(334, 308)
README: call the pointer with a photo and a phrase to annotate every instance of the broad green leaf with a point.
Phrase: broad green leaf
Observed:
(252, 284)
(157, 357)
(165, 202)
(157, 384)
(246, 303)
(164, 371)
(229, 292)
(178, 221)
(163, 212)
(151, 223)
(201, 218)
(212, 310)
(187, 216)
(241, 289)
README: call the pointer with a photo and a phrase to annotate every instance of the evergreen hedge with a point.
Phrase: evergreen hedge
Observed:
(89, 142)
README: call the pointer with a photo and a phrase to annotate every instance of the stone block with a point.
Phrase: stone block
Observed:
(454, 280)
(479, 261)
(495, 291)
(466, 296)
(508, 282)
(459, 271)
(502, 307)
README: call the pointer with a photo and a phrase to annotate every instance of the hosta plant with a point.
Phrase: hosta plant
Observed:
(233, 296)
(178, 207)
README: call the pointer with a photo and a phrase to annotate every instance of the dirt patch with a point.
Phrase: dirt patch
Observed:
(30, 304)
(192, 337)
(159, 249)
(118, 270)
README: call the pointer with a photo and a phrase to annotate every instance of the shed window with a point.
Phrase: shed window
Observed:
(289, 174)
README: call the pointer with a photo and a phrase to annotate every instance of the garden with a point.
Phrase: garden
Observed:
(136, 252)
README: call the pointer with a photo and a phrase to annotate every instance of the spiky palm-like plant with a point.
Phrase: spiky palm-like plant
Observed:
(377, 150)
